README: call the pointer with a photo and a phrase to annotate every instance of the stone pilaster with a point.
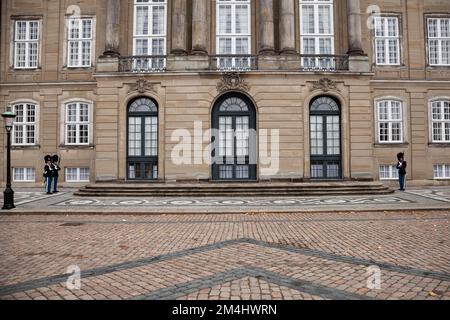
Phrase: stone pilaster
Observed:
(287, 27)
(179, 25)
(354, 27)
(199, 27)
(267, 41)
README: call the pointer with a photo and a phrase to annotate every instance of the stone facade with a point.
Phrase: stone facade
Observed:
(188, 88)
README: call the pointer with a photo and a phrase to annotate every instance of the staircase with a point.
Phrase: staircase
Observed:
(262, 189)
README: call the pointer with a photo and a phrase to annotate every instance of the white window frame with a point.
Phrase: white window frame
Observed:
(80, 40)
(390, 120)
(233, 35)
(441, 121)
(78, 123)
(150, 4)
(78, 174)
(444, 169)
(391, 170)
(316, 35)
(440, 39)
(27, 41)
(386, 38)
(27, 172)
(24, 124)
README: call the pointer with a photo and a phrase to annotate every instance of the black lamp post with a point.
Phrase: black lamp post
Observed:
(8, 194)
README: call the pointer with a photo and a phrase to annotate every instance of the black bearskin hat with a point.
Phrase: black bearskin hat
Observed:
(55, 158)
(401, 155)
(48, 158)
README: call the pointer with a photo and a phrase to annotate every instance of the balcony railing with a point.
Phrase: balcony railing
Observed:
(323, 63)
(143, 64)
(312, 63)
(234, 62)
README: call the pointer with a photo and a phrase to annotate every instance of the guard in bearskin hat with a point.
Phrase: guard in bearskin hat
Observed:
(48, 173)
(401, 167)
(56, 169)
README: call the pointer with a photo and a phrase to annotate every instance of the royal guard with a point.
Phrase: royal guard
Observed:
(401, 167)
(48, 173)
(56, 169)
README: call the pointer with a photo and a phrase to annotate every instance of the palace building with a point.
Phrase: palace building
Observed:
(226, 90)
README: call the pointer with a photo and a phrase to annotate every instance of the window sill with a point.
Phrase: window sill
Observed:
(391, 145)
(439, 145)
(30, 147)
(77, 147)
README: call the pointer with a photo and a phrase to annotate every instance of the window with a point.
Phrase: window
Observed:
(24, 174)
(442, 171)
(388, 172)
(439, 41)
(317, 31)
(233, 32)
(25, 124)
(80, 42)
(77, 124)
(77, 175)
(150, 28)
(26, 44)
(390, 121)
(440, 121)
(387, 41)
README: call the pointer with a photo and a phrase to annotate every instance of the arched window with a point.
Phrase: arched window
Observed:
(234, 137)
(142, 141)
(325, 139)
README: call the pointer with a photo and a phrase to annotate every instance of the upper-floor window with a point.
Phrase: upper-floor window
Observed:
(150, 33)
(80, 42)
(26, 44)
(77, 123)
(316, 32)
(25, 124)
(390, 121)
(233, 29)
(440, 121)
(387, 41)
(439, 41)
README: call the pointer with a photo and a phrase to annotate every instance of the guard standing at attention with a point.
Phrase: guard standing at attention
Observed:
(48, 173)
(56, 169)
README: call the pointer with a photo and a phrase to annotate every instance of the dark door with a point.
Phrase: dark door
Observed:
(142, 140)
(234, 139)
(325, 139)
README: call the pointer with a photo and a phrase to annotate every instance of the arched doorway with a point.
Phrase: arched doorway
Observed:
(234, 139)
(142, 139)
(325, 138)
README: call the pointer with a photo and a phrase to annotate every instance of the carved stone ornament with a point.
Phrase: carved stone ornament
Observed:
(232, 81)
(142, 86)
(325, 85)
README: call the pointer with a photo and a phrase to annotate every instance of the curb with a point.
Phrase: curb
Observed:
(222, 212)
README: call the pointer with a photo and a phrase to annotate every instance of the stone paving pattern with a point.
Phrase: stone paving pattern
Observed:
(228, 256)
(35, 202)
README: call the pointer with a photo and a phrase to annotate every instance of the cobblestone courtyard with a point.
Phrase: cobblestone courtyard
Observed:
(229, 256)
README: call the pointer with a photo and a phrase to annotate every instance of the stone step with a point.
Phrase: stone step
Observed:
(247, 190)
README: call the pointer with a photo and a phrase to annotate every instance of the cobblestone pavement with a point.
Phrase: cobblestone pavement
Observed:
(35, 202)
(229, 256)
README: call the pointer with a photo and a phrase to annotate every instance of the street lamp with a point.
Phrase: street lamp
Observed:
(8, 194)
